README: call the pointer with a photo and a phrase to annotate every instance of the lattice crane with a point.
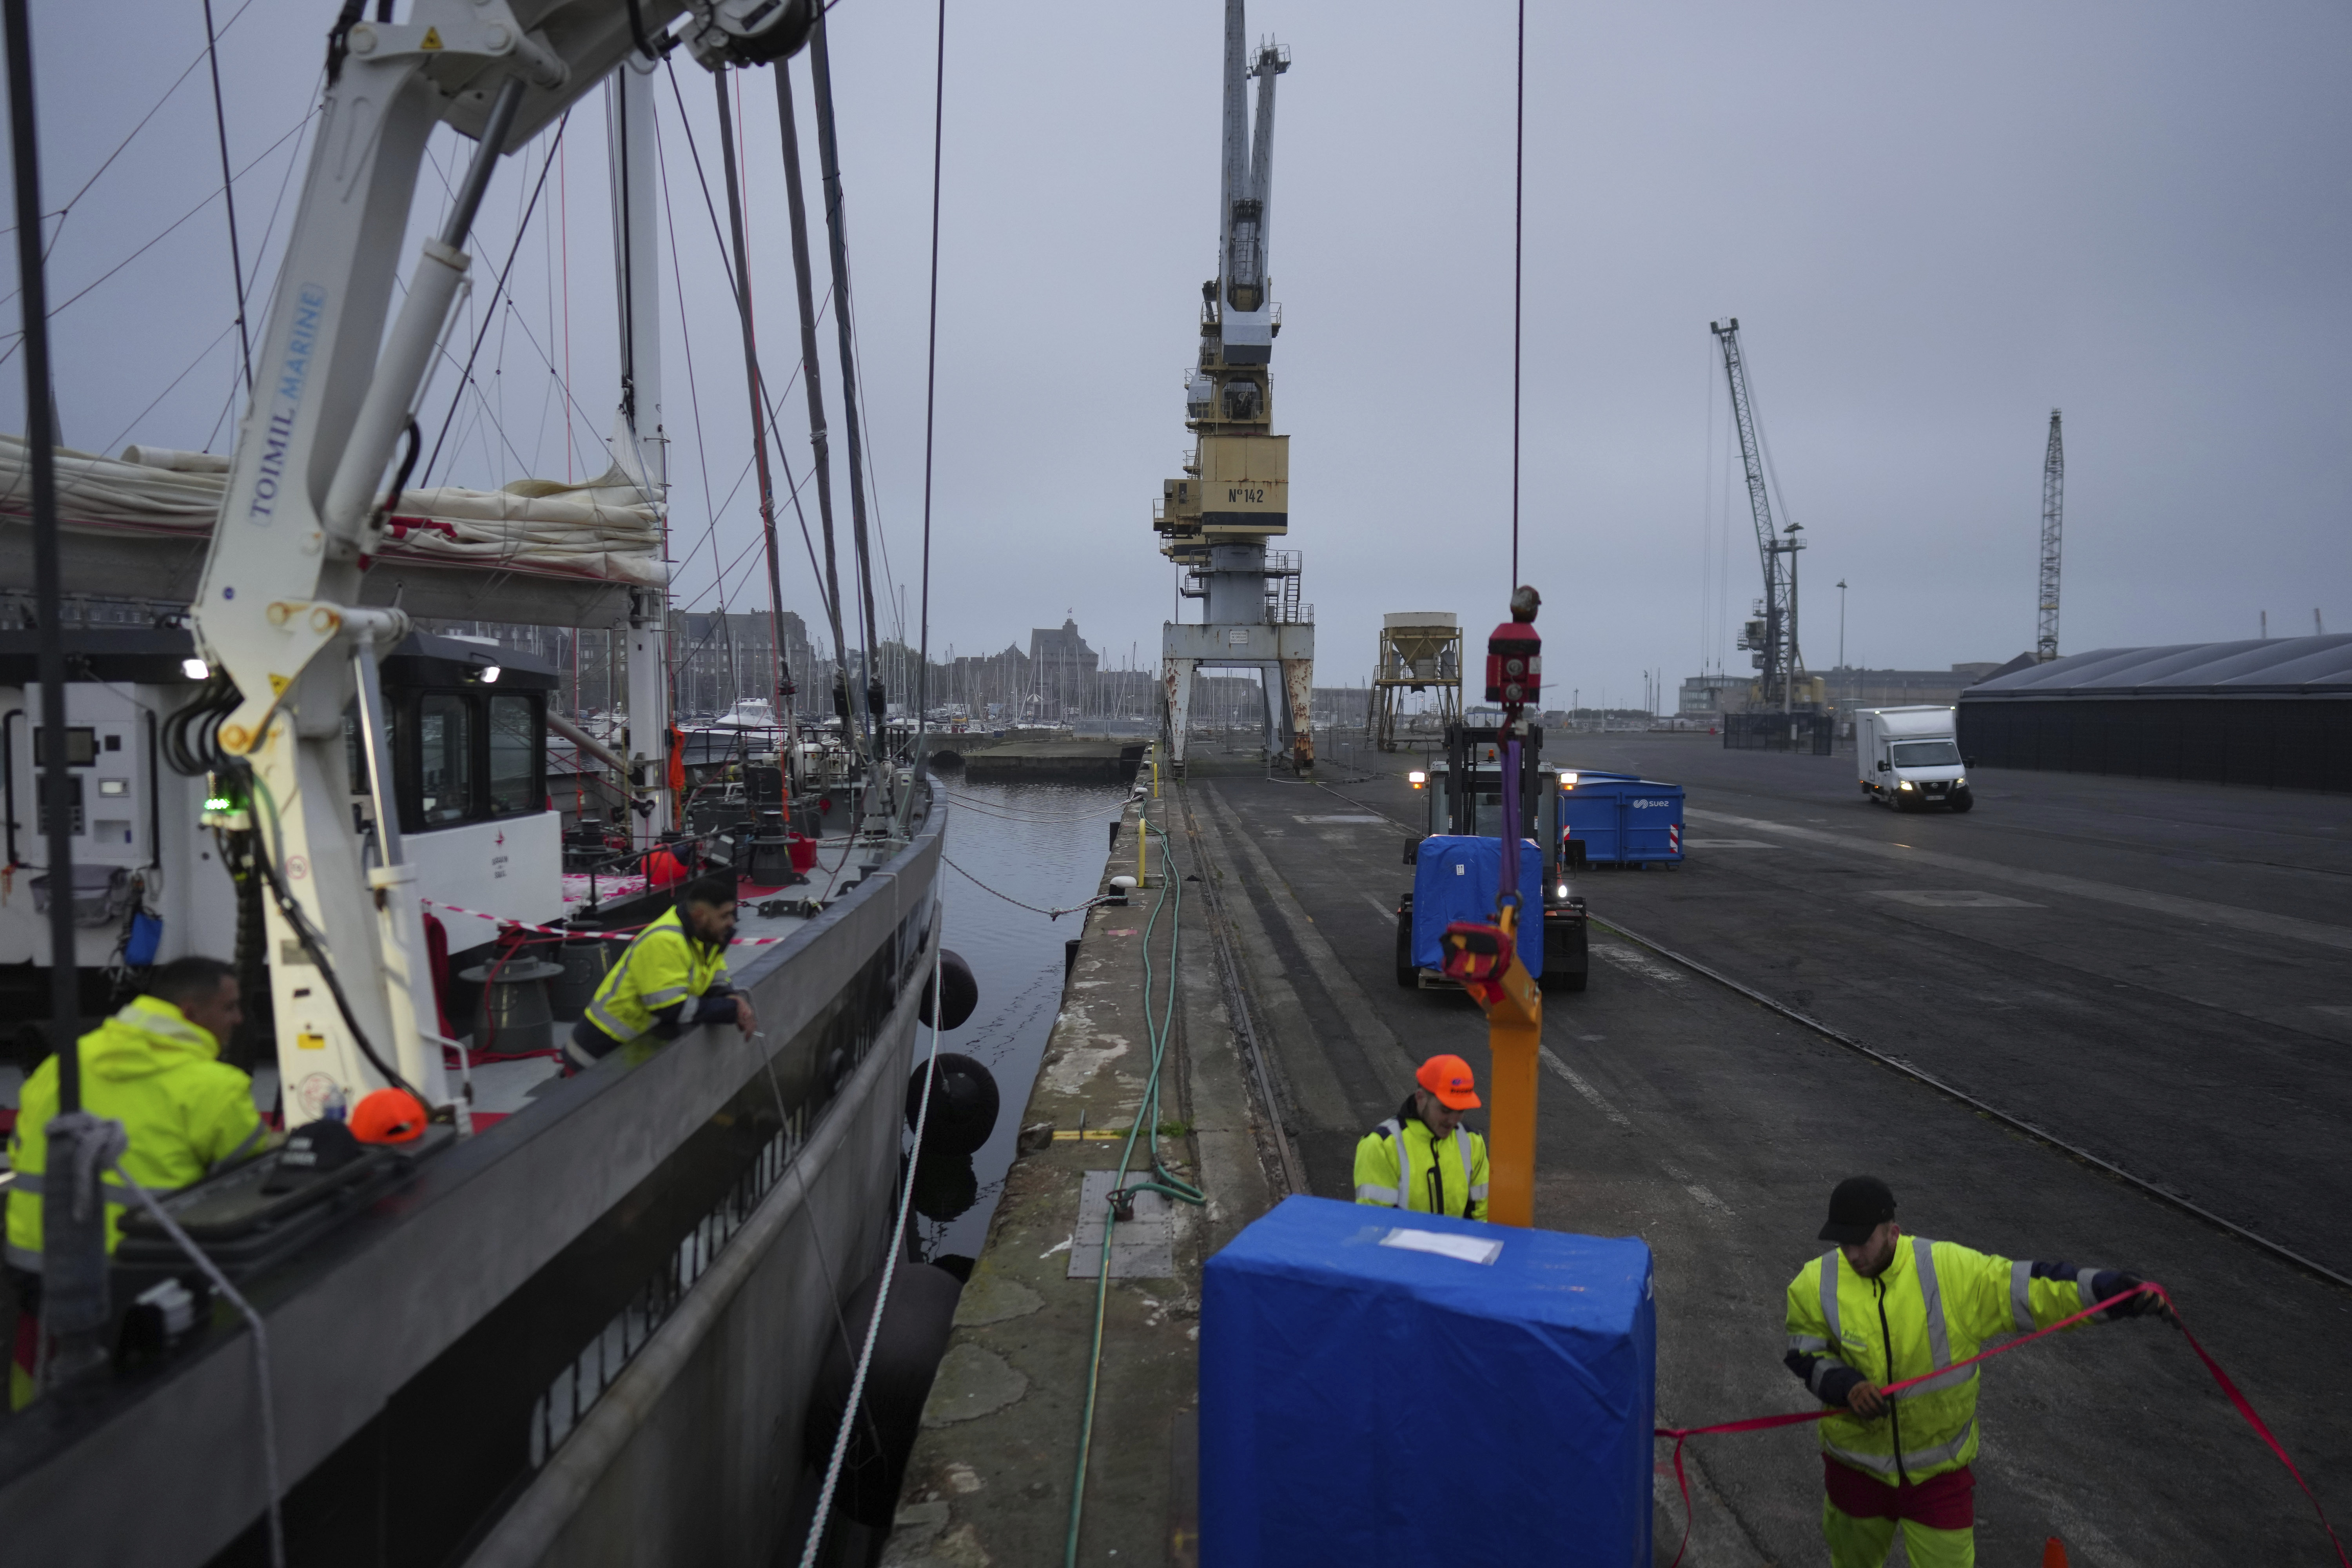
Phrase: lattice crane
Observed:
(2054, 507)
(1771, 637)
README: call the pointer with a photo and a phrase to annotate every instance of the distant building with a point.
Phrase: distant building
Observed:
(1063, 667)
(725, 659)
(1708, 694)
(2274, 713)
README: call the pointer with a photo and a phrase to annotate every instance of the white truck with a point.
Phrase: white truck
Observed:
(1909, 758)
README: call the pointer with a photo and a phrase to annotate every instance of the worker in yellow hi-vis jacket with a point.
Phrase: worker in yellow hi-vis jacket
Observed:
(154, 1066)
(1423, 1157)
(1881, 1308)
(672, 977)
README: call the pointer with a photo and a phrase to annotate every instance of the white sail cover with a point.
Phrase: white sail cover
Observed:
(605, 530)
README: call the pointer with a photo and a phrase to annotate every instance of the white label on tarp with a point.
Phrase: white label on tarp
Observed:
(1468, 1248)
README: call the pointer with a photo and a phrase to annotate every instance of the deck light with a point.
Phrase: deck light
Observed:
(1568, 778)
(490, 674)
(1418, 778)
(195, 669)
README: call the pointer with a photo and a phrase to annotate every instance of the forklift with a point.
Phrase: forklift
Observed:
(1465, 796)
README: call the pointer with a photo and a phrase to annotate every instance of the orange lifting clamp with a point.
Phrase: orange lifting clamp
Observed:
(1484, 958)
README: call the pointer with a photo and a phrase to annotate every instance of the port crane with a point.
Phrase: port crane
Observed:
(1235, 494)
(2053, 504)
(1770, 635)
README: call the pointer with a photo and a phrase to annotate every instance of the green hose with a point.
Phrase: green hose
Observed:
(1160, 1181)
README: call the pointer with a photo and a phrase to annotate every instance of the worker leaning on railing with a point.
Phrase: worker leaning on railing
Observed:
(672, 977)
(154, 1068)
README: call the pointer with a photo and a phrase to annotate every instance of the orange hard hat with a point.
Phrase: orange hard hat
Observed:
(1448, 1078)
(388, 1116)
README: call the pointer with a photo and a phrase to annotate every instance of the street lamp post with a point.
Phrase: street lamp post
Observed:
(1842, 666)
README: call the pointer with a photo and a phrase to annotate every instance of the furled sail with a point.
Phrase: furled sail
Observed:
(605, 530)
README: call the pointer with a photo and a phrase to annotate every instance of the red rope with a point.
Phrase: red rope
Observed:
(1802, 1418)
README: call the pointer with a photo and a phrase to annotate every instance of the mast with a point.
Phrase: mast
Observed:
(813, 380)
(781, 685)
(838, 240)
(640, 445)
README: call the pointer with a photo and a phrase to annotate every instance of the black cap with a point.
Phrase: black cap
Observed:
(1860, 1206)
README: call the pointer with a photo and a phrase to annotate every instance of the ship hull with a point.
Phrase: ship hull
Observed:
(586, 1337)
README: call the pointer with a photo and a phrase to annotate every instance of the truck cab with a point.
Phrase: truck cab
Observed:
(1909, 758)
(1461, 793)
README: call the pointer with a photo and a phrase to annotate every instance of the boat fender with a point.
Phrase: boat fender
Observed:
(963, 1104)
(946, 1185)
(907, 1353)
(957, 989)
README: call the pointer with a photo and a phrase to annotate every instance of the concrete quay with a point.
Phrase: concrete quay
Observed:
(990, 1478)
(1080, 761)
(2148, 975)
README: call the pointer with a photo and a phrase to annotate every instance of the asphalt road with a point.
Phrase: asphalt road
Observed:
(2159, 974)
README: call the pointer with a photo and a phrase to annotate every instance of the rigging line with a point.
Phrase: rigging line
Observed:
(1518, 251)
(836, 234)
(203, 354)
(694, 149)
(677, 284)
(235, 255)
(157, 107)
(184, 217)
(930, 378)
(873, 480)
(563, 232)
(752, 374)
(466, 377)
(812, 379)
(285, 182)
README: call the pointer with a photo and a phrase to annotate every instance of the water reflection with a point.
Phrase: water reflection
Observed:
(1041, 845)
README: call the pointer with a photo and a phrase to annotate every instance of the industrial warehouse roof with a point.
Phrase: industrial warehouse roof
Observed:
(2274, 667)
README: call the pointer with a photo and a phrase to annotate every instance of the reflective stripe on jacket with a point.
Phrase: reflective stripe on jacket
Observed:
(1397, 1161)
(1936, 1303)
(187, 1114)
(662, 967)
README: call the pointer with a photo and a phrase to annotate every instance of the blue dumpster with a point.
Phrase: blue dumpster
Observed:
(1380, 1387)
(1620, 819)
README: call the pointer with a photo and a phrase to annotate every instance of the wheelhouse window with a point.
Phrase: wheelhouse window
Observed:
(517, 747)
(445, 755)
(465, 753)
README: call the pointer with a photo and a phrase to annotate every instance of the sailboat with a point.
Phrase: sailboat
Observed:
(590, 1329)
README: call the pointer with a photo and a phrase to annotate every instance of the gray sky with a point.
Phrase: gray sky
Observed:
(1934, 223)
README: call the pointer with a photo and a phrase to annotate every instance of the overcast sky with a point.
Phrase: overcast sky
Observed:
(1935, 225)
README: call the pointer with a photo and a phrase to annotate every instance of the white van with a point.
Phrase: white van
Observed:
(1910, 757)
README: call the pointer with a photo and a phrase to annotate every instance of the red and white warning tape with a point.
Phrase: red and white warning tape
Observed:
(630, 935)
(1682, 1435)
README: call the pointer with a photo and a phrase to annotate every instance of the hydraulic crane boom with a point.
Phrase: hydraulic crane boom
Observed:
(1773, 640)
(277, 617)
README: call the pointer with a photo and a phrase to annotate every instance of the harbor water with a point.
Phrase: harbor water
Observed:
(1008, 846)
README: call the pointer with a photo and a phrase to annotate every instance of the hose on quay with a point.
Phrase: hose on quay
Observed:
(1147, 1114)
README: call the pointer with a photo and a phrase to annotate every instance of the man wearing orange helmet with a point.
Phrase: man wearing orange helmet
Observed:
(1423, 1157)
